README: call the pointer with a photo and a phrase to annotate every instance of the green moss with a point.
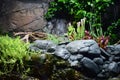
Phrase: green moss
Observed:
(12, 53)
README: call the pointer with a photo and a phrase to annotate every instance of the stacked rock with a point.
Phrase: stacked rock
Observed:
(85, 56)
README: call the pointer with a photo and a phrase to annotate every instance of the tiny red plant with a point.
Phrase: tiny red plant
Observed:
(87, 35)
(101, 40)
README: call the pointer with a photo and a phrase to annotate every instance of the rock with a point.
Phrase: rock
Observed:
(118, 67)
(111, 58)
(102, 57)
(78, 53)
(89, 67)
(74, 63)
(51, 49)
(105, 67)
(104, 53)
(33, 48)
(43, 56)
(107, 62)
(113, 49)
(73, 57)
(116, 59)
(114, 68)
(114, 78)
(98, 61)
(63, 40)
(74, 60)
(94, 48)
(20, 15)
(79, 57)
(61, 46)
(76, 57)
(101, 76)
(84, 47)
(119, 64)
(56, 26)
(45, 45)
(62, 52)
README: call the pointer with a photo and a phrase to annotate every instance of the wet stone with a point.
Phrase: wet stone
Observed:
(32, 48)
(104, 53)
(76, 57)
(44, 44)
(83, 47)
(98, 61)
(89, 66)
(62, 52)
(113, 67)
(74, 63)
(113, 49)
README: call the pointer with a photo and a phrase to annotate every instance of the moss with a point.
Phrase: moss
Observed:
(12, 53)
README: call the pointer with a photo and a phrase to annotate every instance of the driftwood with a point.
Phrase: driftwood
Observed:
(30, 36)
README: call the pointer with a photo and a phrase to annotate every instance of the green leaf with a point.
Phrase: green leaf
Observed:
(97, 1)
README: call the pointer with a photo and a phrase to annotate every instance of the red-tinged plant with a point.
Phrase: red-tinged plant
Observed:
(87, 35)
(102, 41)
(80, 33)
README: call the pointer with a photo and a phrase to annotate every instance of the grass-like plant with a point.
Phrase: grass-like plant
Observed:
(12, 53)
(102, 40)
(57, 39)
(75, 34)
(53, 38)
(94, 33)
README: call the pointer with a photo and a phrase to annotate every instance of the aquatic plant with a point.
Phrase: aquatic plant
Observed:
(76, 33)
(12, 53)
(80, 33)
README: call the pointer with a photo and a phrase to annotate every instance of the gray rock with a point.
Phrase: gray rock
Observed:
(76, 57)
(73, 47)
(98, 61)
(103, 75)
(74, 63)
(119, 64)
(113, 49)
(56, 26)
(116, 78)
(116, 59)
(62, 46)
(104, 53)
(26, 16)
(102, 57)
(105, 66)
(111, 58)
(62, 52)
(94, 49)
(100, 75)
(33, 48)
(43, 56)
(118, 67)
(44, 44)
(73, 57)
(83, 46)
(79, 57)
(90, 66)
(113, 67)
